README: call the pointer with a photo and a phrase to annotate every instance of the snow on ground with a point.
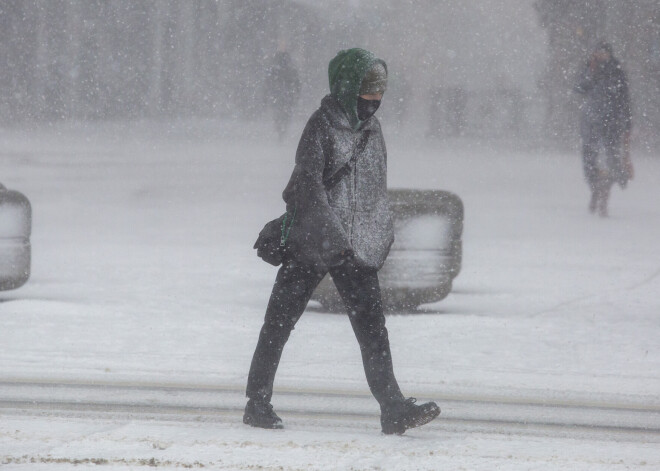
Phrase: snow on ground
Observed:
(134, 445)
(143, 270)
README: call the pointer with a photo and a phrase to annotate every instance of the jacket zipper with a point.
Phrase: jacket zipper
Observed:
(354, 201)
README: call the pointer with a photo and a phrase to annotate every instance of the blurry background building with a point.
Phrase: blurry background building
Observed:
(485, 69)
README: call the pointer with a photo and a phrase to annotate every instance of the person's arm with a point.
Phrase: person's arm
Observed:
(626, 108)
(625, 112)
(585, 80)
(307, 192)
(627, 160)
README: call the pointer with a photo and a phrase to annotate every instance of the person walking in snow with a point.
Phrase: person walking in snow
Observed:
(606, 122)
(342, 224)
(282, 89)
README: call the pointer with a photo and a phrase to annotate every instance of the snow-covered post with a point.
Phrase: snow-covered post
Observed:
(15, 228)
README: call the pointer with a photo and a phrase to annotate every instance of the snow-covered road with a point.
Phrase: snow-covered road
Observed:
(545, 355)
(147, 400)
(160, 425)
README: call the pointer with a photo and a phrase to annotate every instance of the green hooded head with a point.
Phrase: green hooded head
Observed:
(345, 73)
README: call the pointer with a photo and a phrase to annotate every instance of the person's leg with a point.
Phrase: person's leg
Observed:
(614, 153)
(590, 163)
(612, 173)
(360, 291)
(590, 160)
(293, 287)
(603, 192)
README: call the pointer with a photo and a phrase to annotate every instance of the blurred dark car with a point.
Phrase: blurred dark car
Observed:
(15, 249)
(425, 257)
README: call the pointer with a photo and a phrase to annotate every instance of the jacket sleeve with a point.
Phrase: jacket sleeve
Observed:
(585, 81)
(321, 225)
(624, 108)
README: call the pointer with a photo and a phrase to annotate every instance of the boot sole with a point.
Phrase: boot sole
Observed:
(247, 420)
(423, 420)
(433, 414)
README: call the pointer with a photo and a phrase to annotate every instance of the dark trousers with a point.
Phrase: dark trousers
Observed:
(360, 291)
(593, 138)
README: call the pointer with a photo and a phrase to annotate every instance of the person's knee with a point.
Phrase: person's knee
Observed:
(278, 328)
(370, 321)
(364, 306)
(280, 319)
(589, 152)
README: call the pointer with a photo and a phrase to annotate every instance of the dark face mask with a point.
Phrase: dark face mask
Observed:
(366, 108)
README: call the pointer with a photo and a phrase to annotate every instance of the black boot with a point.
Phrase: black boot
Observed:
(399, 416)
(261, 414)
(602, 203)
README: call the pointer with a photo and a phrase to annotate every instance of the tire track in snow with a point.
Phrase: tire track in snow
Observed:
(645, 281)
(585, 297)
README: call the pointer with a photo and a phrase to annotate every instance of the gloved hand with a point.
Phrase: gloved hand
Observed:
(347, 256)
(340, 258)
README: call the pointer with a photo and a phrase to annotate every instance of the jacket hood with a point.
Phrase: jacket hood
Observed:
(345, 73)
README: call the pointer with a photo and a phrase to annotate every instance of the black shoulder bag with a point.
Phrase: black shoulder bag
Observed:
(271, 244)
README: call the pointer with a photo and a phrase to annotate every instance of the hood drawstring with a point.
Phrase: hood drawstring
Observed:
(285, 230)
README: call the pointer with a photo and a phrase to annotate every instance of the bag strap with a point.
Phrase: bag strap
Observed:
(331, 182)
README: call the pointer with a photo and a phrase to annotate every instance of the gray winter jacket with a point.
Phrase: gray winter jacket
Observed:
(353, 216)
(607, 99)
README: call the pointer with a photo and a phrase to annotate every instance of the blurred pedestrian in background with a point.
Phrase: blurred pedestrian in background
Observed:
(605, 124)
(282, 91)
